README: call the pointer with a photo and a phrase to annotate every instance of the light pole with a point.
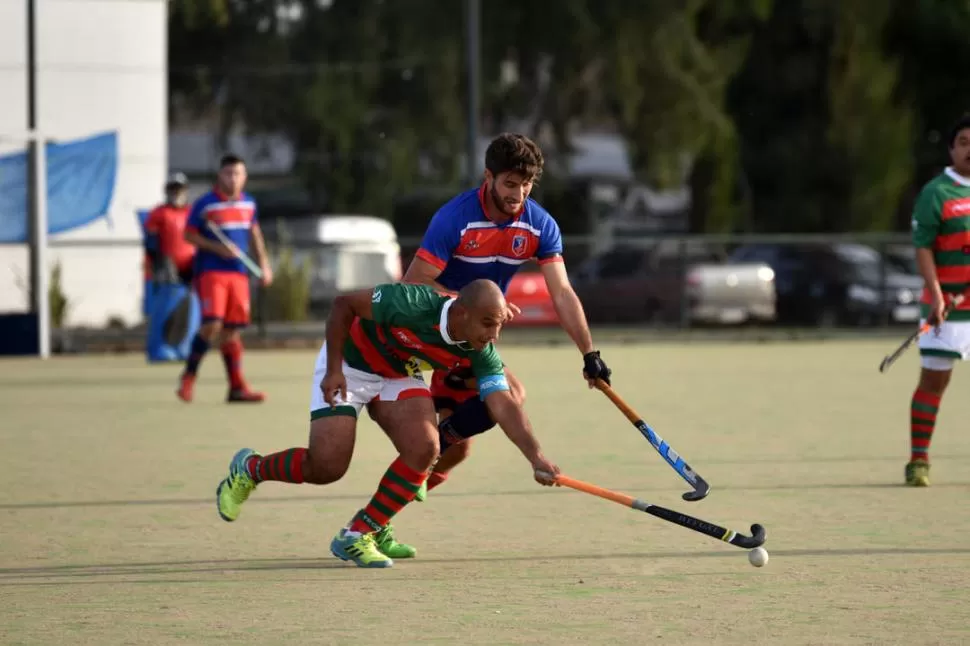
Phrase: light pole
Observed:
(37, 196)
(473, 10)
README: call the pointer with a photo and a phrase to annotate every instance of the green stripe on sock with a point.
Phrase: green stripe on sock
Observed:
(381, 508)
(921, 435)
(925, 408)
(393, 496)
(288, 466)
(409, 486)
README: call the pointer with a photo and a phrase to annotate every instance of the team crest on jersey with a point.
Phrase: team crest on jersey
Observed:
(519, 244)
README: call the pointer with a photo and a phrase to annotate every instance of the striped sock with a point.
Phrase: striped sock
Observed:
(397, 489)
(232, 358)
(285, 466)
(923, 412)
(436, 479)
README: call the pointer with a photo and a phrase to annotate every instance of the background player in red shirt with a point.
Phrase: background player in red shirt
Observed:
(221, 279)
(170, 255)
(490, 232)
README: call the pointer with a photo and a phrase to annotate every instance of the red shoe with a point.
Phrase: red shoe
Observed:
(245, 396)
(186, 386)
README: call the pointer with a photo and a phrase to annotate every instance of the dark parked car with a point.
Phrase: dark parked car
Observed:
(836, 284)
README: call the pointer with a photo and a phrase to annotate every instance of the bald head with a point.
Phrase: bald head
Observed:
(479, 313)
(481, 295)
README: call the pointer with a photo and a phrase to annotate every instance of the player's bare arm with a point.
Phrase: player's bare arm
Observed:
(572, 317)
(346, 307)
(515, 424)
(193, 237)
(927, 269)
(422, 272)
(259, 245)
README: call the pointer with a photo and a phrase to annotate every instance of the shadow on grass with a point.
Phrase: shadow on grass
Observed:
(111, 573)
(537, 491)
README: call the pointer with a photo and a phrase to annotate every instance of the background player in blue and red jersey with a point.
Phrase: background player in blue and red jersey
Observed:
(490, 232)
(221, 279)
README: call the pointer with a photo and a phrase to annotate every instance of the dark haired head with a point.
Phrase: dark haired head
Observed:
(962, 124)
(230, 160)
(510, 152)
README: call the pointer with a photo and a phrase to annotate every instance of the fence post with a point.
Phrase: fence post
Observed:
(682, 272)
(885, 306)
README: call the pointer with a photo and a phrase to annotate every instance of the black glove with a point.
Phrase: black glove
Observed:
(595, 368)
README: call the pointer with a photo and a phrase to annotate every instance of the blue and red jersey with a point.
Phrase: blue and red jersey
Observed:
(466, 245)
(236, 219)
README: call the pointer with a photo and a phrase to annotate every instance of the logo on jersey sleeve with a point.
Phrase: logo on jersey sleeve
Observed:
(376, 296)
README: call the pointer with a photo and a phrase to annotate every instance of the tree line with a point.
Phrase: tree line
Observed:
(782, 115)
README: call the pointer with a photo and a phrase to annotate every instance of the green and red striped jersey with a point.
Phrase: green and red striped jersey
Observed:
(409, 333)
(941, 222)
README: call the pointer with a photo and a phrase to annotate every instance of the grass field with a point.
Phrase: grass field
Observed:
(109, 531)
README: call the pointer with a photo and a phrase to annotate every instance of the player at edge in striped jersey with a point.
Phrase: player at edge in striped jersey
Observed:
(489, 232)
(376, 340)
(941, 235)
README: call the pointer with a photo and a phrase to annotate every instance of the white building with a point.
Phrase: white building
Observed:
(101, 66)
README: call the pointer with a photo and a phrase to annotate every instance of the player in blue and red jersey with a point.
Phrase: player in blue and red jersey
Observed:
(490, 232)
(221, 279)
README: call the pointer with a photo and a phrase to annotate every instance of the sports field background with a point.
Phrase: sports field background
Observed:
(109, 531)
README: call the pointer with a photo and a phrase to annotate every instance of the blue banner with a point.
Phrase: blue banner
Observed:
(80, 184)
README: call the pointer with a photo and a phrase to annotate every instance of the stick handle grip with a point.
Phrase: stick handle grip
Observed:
(617, 401)
(585, 487)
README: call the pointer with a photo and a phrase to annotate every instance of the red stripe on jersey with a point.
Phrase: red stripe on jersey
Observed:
(954, 274)
(952, 241)
(370, 354)
(956, 208)
(510, 242)
(431, 259)
(551, 259)
(408, 339)
(230, 215)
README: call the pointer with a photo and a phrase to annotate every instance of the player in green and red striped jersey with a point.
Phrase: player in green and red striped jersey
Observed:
(377, 342)
(941, 234)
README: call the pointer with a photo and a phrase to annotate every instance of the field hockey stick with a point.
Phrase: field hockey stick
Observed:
(758, 533)
(890, 359)
(701, 488)
(236, 251)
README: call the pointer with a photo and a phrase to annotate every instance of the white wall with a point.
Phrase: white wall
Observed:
(101, 65)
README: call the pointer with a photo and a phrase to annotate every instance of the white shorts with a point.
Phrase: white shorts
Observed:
(938, 350)
(362, 388)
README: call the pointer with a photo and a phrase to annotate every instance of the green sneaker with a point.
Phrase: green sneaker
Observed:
(422, 494)
(918, 473)
(390, 547)
(235, 489)
(359, 548)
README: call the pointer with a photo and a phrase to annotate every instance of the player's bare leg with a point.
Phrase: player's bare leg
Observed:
(206, 336)
(410, 425)
(923, 411)
(326, 460)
